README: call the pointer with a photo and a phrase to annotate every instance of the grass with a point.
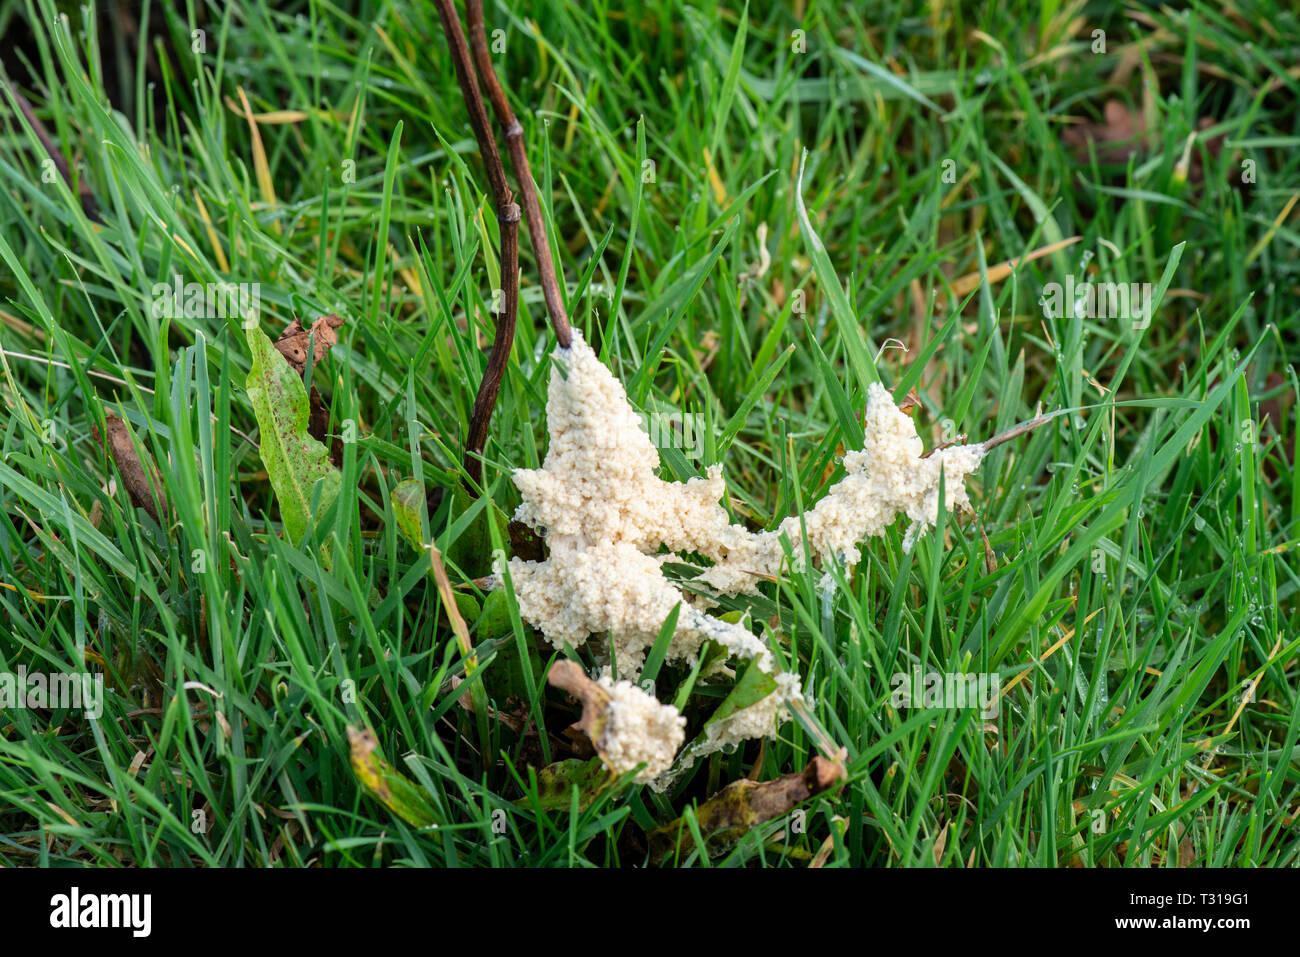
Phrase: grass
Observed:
(1136, 595)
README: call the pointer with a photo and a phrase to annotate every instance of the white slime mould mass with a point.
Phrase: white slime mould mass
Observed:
(605, 515)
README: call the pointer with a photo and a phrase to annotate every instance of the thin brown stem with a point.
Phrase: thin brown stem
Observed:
(478, 115)
(1018, 430)
(955, 440)
(514, 134)
(508, 220)
(1002, 437)
(488, 389)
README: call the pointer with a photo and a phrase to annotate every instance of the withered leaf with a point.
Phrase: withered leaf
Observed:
(318, 418)
(1123, 132)
(405, 798)
(89, 205)
(323, 336)
(555, 784)
(568, 676)
(744, 805)
(1272, 413)
(1120, 133)
(910, 401)
(293, 344)
(318, 426)
(145, 487)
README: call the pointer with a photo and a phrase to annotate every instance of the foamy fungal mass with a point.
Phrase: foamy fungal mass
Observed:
(605, 515)
(638, 729)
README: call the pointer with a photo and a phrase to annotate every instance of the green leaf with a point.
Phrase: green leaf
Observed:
(294, 461)
(381, 780)
(408, 502)
(754, 685)
(469, 544)
(655, 659)
(494, 621)
(555, 783)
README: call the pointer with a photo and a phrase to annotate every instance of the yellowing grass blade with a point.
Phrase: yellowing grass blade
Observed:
(1001, 271)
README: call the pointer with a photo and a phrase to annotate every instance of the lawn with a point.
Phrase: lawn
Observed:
(302, 655)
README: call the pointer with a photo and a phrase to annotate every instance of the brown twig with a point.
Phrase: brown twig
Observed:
(955, 440)
(508, 220)
(1018, 430)
(488, 389)
(514, 134)
(1012, 433)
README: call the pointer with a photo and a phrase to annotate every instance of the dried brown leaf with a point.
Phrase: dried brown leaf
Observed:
(293, 342)
(1120, 133)
(744, 805)
(1272, 413)
(1123, 132)
(569, 677)
(910, 401)
(293, 345)
(145, 487)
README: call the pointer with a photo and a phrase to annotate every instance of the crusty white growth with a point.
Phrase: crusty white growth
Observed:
(598, 483)
(886, 477)
(759, 720)
(638, 729)
(606, 514)
(616, 589)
